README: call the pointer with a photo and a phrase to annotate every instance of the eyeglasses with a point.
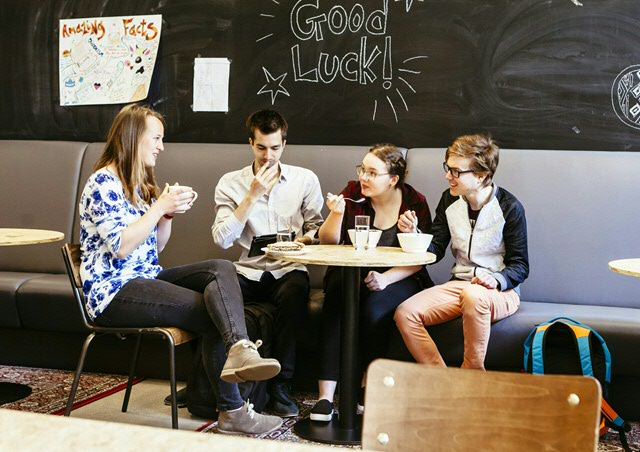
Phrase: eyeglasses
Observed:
(455, 172)
(361, 172)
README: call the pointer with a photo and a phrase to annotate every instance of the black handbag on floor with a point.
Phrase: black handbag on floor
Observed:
(201, 401)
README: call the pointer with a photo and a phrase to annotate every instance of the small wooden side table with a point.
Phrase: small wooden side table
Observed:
(10, 392)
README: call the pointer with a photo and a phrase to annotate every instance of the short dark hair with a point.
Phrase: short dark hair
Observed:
(267, 122)
(393, 159)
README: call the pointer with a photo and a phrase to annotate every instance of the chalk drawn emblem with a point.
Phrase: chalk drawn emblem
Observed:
(625, 96)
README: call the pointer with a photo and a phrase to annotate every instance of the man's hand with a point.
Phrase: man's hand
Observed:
(376, 281)
(304, 239)
(486, 280)
(265, 179)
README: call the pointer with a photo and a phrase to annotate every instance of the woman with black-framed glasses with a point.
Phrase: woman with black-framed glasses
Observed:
(381, 194)
(487, 229)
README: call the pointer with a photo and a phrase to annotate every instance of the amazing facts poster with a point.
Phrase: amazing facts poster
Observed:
(107, 60)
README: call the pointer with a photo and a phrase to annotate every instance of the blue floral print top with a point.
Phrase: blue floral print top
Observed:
(104, 213)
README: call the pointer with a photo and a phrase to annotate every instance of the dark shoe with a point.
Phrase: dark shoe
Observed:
(244, 363)
(361, 401)
(281, 402)
(181, 397)
(322, 411)
(246, 421)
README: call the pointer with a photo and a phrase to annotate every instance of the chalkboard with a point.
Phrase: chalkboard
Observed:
(542, 74)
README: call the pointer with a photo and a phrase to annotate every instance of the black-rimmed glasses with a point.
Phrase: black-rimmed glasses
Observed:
(454, 172)
(371, 175)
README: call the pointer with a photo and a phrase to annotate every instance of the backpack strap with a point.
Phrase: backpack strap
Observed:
(535, 341)
(582, 333)
(611, 419)
(533, 347)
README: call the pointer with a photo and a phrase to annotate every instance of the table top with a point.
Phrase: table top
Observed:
(629, 267)
(347, 256)
(11, 237)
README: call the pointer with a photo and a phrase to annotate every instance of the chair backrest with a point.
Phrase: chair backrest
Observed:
(71, 253)
(413, 407)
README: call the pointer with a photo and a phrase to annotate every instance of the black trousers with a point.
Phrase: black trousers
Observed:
(376, 320)
(290, 294)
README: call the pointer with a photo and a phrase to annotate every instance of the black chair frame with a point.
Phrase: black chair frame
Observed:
(71, 254)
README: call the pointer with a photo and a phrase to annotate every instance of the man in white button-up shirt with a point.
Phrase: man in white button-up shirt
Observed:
(263, 198)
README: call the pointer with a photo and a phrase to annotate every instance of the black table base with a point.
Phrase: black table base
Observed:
(10, 392)
(329, 432)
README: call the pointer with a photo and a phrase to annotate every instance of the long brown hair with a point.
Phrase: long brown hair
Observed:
(121, 149)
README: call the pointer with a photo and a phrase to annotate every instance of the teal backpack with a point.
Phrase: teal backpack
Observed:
(566, 346)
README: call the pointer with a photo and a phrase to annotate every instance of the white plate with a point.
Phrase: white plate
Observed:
(285, 253)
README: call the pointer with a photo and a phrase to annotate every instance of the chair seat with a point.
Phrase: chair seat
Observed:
(179, 335)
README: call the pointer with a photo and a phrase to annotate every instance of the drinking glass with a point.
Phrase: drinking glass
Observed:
(362, 231)
(283, 236)
(284, 230)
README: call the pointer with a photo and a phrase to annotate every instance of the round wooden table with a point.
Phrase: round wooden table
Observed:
(10, 392)
(346, 427)
(629, 267)
(12, 237)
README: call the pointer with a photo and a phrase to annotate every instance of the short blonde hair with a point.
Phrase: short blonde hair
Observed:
(481, 149)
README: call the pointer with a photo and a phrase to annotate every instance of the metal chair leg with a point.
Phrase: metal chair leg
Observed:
(172, 381)
(76, 379)
(132, 373)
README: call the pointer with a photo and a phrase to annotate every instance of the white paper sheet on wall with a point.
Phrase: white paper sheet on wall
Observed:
(211, 84)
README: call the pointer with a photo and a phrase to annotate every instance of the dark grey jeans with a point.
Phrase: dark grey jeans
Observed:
(203, 297)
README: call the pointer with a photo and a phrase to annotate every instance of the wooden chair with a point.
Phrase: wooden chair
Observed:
(413, 407)
(174, 336)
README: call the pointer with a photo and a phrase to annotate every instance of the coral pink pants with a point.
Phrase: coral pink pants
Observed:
(478, 307)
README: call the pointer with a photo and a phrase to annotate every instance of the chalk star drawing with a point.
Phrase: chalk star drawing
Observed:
(409, 3)
(275, 84)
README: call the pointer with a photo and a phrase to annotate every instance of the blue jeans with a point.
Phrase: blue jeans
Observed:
(204, 298)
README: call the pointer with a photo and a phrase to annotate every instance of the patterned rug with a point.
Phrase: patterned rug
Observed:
(610, 442)
(50, 388)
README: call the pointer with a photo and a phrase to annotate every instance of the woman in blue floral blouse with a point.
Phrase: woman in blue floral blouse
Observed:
(125, 222)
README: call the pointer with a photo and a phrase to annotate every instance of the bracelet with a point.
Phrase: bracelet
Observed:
(168, 217)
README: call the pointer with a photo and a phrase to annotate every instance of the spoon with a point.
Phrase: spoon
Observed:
(354, 200)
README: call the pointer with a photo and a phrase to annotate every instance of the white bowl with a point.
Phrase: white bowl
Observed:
(352, 235)
(413, 242)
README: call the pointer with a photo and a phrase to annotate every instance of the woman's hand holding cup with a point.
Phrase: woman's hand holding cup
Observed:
(177, 198)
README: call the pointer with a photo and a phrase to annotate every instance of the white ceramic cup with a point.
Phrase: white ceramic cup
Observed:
(181, 188)
(373, 237)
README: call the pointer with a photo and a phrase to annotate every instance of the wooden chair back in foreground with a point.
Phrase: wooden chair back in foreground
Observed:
(413, 407)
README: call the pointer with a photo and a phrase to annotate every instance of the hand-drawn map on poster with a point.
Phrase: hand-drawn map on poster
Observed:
(107, 60)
